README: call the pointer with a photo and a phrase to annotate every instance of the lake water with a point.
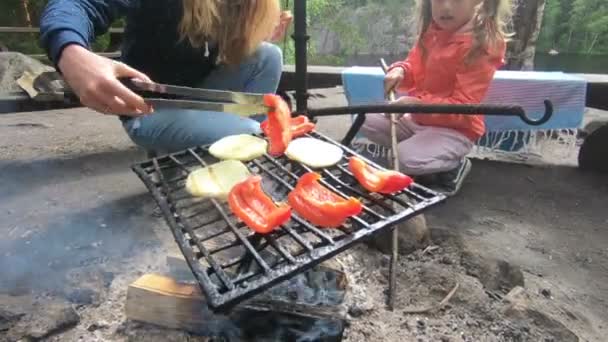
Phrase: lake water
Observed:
(569, 63)
(572, 63)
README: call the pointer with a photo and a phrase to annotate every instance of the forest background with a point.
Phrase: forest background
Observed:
(565, 35)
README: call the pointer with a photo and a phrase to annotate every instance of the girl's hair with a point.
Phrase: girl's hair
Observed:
(237, 26)
(489, 25)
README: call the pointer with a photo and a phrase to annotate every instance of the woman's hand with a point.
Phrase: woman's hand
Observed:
(281, 29)
(94, 79)
(393, 79)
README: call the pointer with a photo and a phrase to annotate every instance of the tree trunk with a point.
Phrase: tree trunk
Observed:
(26, 11)
(593, 42)
(527, 21)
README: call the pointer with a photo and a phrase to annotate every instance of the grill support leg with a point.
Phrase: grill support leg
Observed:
(395, 236)
(354, 129)
(301, 38)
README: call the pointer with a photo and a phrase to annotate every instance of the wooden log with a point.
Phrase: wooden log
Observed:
(163, 301)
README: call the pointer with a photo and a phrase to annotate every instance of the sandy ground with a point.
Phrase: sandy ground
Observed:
(74, 217)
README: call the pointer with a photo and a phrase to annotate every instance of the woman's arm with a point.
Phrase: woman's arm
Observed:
(67, 29)
(65, 22)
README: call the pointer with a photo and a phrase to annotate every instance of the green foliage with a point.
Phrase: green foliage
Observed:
(12, 13)
(576, 26)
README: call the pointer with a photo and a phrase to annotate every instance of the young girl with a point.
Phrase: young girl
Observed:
(461, 44)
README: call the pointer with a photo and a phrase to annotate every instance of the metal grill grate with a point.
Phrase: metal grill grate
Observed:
(230, 262)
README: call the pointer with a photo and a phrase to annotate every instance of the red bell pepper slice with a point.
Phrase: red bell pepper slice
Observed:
(278, 128)
(249, 203)
(319, 205)
(300, 125)
(381, 181)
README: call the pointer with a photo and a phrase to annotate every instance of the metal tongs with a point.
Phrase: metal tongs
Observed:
(170, 96)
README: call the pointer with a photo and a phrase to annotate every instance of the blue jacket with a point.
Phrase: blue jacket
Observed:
(151, 42)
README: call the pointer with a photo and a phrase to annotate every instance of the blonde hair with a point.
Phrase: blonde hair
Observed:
(489, 25)
(237, 26)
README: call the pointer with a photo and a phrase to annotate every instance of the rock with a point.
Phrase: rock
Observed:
(495, 275)
(97, 326)
(85, 286)
(12, 67)
(8, 319)
(81, 296)
(518, 309)
(46, 320)
(356, 311)
(592, 155)
(546, 293)
(549, 327)
(413, 234)
(517, 299)
(446, 260)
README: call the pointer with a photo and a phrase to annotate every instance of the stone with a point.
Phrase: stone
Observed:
(12, 67)
(97, 326)
(8, 319)
(546, 293)
(516, 299)
(81, 296)
(446, 260)
(519, 310)
(550, 327)
(356, 311)
(46, 320)
(495, 275)
(414, 234)
(593, 152)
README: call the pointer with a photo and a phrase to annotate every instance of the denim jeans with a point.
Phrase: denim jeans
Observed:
(170, 130)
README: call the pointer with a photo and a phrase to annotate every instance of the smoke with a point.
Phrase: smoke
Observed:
(39, 256)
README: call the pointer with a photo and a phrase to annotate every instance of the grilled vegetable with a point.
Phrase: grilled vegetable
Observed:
(319, 205)
(300, 125)
(249, 203)
(242, 147)
(381, 181)
(216, 180)
(278, 129)
(314, 152)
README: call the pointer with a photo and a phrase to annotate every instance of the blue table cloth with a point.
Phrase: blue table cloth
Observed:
(364, 85)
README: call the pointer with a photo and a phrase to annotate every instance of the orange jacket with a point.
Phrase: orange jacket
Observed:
(444, 78)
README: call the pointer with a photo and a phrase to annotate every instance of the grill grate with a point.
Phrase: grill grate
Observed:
(233, 264)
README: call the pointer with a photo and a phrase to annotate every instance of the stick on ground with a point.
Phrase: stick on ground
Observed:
(434, 307)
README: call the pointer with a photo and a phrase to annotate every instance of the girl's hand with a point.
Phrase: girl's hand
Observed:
(94, 79)
(281, 29)
(406, 100)
(393, 79)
